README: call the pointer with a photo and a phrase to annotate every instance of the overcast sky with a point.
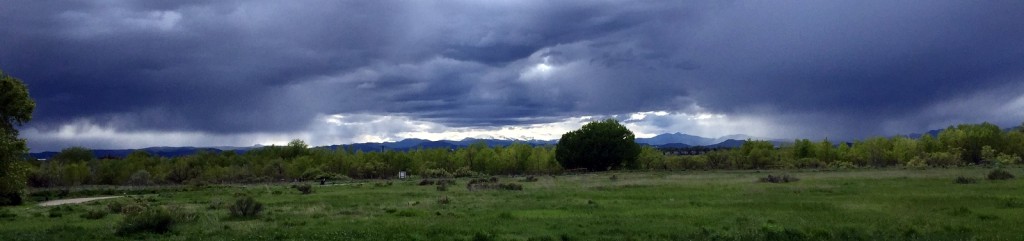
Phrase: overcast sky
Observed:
(127, 74)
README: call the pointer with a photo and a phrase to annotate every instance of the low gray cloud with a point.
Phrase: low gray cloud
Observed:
(844, 69)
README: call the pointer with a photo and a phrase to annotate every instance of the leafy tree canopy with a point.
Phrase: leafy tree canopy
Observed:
(74, 154)
(15, 109)
(599, 145)
(15, 105)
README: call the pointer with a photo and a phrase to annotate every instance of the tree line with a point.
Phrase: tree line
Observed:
(966, 144)
(295, 161)
(972, 144)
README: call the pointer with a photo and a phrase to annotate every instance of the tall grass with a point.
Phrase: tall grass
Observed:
(872, 204)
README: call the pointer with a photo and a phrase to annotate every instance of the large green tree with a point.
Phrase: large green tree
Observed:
(598, 146)
(968, 140)
(15, 109)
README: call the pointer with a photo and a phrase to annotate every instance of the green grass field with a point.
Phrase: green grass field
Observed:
(886, 204)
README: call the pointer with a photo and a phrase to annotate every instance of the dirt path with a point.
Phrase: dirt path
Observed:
(73, 200)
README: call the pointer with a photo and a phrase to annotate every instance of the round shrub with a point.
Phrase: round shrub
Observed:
(304, 188)
(245, 207)
(153, 219)
(964, 180)
(94, 214)
(115, 206)
(7, 214)
(10, 199)
(779, 179)
(1000, 174)
(436, 173)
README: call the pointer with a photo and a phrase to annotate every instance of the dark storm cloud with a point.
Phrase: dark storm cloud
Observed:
(209, 68)
(835, 68)
(864, 61)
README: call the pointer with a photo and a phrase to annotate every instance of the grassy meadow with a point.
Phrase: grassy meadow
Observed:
(864, 204)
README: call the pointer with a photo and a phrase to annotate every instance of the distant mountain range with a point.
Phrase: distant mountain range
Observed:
(933, 133)
(667, 140)
(412, 144)
(677, 138)
(157, 151)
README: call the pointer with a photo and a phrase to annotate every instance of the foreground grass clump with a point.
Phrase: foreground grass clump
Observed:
(94, 214)
(965, 180)
(304, 188)
(862, 204)
(785, 178)
(60, 211)
(245, 207)
(151, 219)
(6, 214)
(1000, 174)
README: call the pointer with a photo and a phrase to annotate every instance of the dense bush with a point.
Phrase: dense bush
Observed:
(426, 182)
(140, 178)
(133, 208)
(181, 214)
(809, 163)
(59, 211)
(152, 219)
(304, 188)
(964, 180)
(94, 214)
(466, 172)
(7, 214)
(492, 184)
(478, 181)
(779, 179)
(245, 207)
(510, 187)
(10, 199)
(1006, 160)
(1000, 174)
(115, 206)
(942, 159)
(436, 173)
